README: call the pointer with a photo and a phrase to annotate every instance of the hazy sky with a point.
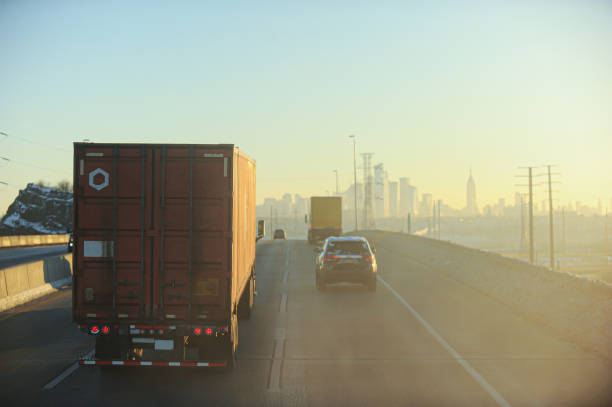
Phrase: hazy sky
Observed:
(429, 88)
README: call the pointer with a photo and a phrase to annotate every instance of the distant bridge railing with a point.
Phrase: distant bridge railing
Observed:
(9, 242)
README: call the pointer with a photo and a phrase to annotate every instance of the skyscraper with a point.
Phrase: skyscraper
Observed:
(393, 199)
(472, 206)
(407, 197)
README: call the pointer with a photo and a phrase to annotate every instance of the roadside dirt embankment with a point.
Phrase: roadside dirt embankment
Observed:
(576, 309)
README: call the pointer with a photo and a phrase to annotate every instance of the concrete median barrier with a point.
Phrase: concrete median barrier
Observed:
(11, 242)
(26, 282)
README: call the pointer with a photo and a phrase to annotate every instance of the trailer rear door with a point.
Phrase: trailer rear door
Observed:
(153, 229)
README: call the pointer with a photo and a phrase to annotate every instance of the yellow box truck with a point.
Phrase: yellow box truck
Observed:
(325, 217)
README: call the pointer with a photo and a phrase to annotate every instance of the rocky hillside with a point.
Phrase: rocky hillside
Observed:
(38, 210)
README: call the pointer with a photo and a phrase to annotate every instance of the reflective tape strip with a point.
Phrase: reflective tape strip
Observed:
(147, 363)
(94, 155)
(225, 166)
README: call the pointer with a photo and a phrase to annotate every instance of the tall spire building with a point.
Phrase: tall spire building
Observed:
(472, 206)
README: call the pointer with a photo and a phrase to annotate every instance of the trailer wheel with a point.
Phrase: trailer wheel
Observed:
(245, 305)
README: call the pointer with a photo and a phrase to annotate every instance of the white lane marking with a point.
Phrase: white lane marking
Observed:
(66, 373)
(468, 368)
(283, 303)
(277, 360)
(285, 277)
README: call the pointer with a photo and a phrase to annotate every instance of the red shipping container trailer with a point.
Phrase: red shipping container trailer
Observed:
(164, 258)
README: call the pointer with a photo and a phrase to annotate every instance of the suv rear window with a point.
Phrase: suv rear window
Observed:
(347, 247)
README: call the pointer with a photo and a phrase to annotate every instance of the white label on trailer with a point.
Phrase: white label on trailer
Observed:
(97, 248)
(94, 155)
(211, 155)
(164, 344)
(82, 167)
(143, 340)
(225, 167)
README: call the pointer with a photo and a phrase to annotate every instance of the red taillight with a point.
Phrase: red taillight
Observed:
(209, 331)
(331, 256)
(367, 257)
(95, 330)
(197, 331)
(105, 329)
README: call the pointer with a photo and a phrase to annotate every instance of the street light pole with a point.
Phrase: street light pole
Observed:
(355, 173)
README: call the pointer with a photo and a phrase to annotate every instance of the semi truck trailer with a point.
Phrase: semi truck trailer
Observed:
(164, 252)
(325, 218)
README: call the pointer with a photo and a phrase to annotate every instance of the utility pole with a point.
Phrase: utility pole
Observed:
(530, 216)
(550, 222)
(530, 185)
(439, 206)
(409, 224)
(355, 174)
(337, 187)
(523, 228)
(606, 231)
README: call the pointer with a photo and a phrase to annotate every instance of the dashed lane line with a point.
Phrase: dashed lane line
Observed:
(277, 361)
(66, 373)
(468, 368)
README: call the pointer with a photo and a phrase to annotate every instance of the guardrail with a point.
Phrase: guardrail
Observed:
(26, 282)
(9, 242)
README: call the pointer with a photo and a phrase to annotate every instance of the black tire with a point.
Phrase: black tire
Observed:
(245, 305)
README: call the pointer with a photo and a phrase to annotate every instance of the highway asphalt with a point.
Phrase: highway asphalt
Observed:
(14, 257)
(420, 339)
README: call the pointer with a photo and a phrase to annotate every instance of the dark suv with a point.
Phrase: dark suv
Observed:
(280, 234)
(346, 259)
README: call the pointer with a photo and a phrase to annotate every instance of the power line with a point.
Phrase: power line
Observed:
(32, 165)
(23, 139)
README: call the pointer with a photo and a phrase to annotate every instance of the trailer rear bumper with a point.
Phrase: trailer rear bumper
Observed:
(86, 362)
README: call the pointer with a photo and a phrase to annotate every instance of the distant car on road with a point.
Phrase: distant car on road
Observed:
(280, 234)
(348, 259)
